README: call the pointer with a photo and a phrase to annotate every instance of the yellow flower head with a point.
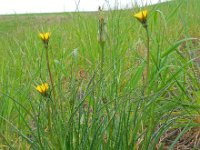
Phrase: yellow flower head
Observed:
(142, 16)
(43, 88)
(45, 36)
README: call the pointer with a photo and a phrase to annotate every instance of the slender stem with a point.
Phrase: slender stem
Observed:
(49, 116)
(102, 70)
(51, 80)
(102, 78)
(148, 57)
(102, 59)
(49, 70)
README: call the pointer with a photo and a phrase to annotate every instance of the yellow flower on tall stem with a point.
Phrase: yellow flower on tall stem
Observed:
(142, 17)
(42, 89)
(45, 36)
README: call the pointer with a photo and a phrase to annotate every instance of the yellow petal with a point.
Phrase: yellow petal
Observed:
(142, 16)
(43, 88)
(38, 88)
(41, 35)
(47, 35)
(46, 86)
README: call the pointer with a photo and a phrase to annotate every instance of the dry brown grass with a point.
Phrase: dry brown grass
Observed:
(189, 141)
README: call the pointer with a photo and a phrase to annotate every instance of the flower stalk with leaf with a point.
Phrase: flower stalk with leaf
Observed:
(45, 38)
(43, 88)
(142, 18)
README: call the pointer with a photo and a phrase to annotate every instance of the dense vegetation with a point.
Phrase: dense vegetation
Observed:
(103, 97)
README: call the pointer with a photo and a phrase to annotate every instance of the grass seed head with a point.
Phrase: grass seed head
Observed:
(101, 27)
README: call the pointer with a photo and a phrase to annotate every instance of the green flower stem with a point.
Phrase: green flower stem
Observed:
(51, 80)
(49, 116)
(148, 58)
(102, 70)
(49, 70)
(102, 59)
(102, 44)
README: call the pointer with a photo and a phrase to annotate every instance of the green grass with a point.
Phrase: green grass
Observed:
(112, 111)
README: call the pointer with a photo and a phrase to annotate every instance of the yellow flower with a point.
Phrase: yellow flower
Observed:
(45, 36)
(43, 88)
(142, 16)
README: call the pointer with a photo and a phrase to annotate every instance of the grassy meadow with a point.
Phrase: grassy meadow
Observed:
(102, 97)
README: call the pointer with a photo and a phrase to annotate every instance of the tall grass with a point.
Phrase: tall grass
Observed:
(94, 111)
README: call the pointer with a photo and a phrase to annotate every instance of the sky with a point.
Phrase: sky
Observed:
(43, 6)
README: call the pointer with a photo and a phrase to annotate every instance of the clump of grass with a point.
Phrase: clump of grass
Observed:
(96, 98)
